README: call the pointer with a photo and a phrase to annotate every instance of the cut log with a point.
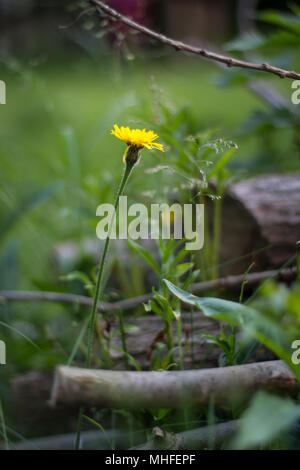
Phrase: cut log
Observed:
(32, 415)
(256, 213)
(140, 342)
(170, 389)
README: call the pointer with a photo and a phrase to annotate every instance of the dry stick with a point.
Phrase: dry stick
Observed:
(193, 439)
(298, 259)
(169, 389)
(180, 46)
(198, 438)
(90, 440)
(226, 282)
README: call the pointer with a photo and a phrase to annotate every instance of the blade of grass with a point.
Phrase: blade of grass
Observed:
(2, 420)
(98, 425)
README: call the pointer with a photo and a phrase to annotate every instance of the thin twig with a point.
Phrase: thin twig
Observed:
(180, 46)
(226, 282)
(193, 439)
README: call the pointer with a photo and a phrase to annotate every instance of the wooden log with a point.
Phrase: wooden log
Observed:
(256, 213)
(169, 389)
(31, 413)
(149, 329)
(30, 391)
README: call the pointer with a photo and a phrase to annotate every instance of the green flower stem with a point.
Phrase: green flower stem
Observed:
(101, 270)
(130, 162)
(168, 323)
(2, 421)
(298, 259)
(168, 327)
(179, 337)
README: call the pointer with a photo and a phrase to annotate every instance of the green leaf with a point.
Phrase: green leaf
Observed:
(78, 276)
(255, 323)
(143, 253)
(130, 357)
(224, 310)
(264, 420)
(98, 425)
(161, 413)
(245, 42)
(152, 306)
(183, 268)
(15, 330)
(167, 310)
(285, 21)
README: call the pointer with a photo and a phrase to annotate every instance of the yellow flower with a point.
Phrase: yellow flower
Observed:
(136, 138)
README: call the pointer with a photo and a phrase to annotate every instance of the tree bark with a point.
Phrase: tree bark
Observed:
(257, 213)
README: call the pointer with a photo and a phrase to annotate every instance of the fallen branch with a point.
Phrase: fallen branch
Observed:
(89, 440)
(128, 304)
(165, 389)
(180, 46)
(193, 439)
(232, 281)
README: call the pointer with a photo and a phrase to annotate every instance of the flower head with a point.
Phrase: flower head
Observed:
(136, 138)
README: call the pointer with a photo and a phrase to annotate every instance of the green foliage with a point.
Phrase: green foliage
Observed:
(143, 253)
(54, 132)
(227, 343)
(285, 36)
(193, 156)
(264, 421)
(273, 318)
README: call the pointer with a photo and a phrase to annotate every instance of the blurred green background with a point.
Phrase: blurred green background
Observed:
(66, 86)
(65, 90)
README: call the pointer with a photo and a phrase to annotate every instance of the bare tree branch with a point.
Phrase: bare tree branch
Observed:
(90, 440)
(169, 389)
(222, 283)
(193, 439)
(287, 274)
(180, 46)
